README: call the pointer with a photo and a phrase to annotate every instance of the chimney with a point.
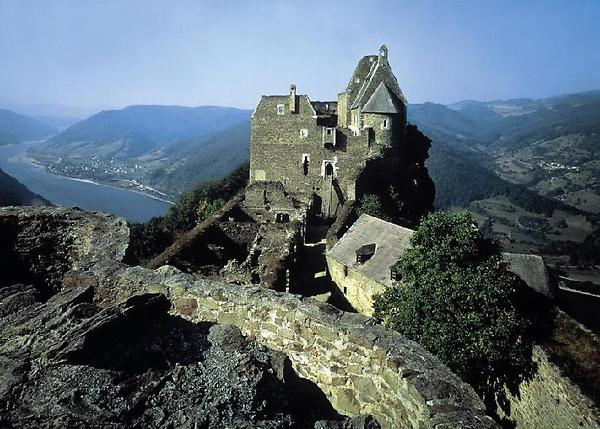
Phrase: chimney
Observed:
(293, 98)
(383, 54)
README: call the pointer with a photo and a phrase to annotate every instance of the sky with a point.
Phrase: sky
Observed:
(230, 52)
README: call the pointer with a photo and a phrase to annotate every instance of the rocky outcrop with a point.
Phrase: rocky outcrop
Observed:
(39, 245)
(67, 363)
(362, 369)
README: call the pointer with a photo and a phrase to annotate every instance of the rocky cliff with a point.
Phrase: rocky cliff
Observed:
(114, 345)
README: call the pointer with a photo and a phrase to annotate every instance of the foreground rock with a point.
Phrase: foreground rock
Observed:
(68, 363)
(147, 369)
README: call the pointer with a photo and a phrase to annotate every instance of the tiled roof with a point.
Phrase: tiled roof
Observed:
(391, 241)
(382, 101)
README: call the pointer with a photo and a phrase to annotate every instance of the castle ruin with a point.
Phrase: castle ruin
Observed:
(322, 154)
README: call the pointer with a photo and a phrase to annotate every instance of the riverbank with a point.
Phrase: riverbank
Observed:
(132, 204)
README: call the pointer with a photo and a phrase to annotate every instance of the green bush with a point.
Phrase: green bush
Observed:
(370, 204)
(457, 298)
(149, 239)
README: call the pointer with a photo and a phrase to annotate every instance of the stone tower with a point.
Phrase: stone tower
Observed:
(326, 153)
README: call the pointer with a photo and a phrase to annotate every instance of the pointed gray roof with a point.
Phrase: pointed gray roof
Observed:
(382, 101)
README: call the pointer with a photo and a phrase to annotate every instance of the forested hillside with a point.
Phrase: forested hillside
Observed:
(166, 149)
(137, 130)
(527, 169)
(15, 128)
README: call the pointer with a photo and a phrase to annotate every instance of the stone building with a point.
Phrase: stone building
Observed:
(327, 153)
(361, 262)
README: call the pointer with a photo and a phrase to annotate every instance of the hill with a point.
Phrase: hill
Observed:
(203, 158)
(527, 169)
(15, 128)
(13, 193)
(165, 148)
(550, 146)
(138, 130)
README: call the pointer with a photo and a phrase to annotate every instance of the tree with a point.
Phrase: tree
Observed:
(457, 298)
(207, 207)
(371, 204)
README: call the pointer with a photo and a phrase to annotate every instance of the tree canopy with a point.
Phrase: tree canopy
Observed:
(457, 298)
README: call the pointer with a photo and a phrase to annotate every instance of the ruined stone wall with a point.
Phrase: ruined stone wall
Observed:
(277, 150)
(346, 217)
(361, 368)
(266, 200)
(358, 289)
(551, 400)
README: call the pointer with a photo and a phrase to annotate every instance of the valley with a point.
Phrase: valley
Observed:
(159, 150)
(537, 186)
(536, 163)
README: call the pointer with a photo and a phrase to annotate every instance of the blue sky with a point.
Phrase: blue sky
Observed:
(226, 52)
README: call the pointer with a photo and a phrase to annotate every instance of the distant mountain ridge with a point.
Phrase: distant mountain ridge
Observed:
(15, 128)
(137, 130)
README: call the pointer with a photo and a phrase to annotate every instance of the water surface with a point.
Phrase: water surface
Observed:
(62, 191)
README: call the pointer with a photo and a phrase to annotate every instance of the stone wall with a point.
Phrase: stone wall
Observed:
(357, 288)
(278, 150)
(384, 137)
(361, 368)
(550, 400)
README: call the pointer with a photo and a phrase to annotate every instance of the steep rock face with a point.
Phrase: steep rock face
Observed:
(39, 245)
(66, 362)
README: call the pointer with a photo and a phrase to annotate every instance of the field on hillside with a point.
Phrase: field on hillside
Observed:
(565, 168)
(522, 231)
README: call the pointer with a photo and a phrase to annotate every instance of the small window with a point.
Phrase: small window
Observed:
(282, 218)
(303, 133)
(365, 252)
(328, 131)
(280, 109)
(305, 162)
(385, 124)
(345, 270)
(328, 169)
(345, 290)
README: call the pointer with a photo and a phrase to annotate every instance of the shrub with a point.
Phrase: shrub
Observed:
(457, 298)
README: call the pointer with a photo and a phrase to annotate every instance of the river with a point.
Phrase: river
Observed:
(63, 191)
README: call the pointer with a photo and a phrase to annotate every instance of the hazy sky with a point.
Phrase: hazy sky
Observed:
(221, 52)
